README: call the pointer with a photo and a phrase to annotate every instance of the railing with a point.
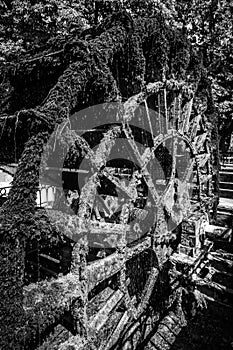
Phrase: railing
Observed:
(3, 194)
(45, 195)
(227, 158)
(4, 191)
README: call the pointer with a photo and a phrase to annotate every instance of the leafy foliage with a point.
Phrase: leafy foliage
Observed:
(209, 28)
(29, 25)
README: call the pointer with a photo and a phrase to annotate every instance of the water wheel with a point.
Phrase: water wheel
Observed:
(144, 187)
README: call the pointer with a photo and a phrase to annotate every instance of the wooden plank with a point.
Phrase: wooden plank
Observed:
(117, 331)
(214, 285)
(223, 255)
(150, 283)
(97, 302)
(107, 267)
(98, 321)
(97, 227)
(70, 170)
(50, 258)
(182, 259)
(214, 300)
(168, 330)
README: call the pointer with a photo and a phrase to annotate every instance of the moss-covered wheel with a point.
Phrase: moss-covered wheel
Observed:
(135, 192)
(143, 182)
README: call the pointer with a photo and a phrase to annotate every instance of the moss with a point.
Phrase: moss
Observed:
(18, 213)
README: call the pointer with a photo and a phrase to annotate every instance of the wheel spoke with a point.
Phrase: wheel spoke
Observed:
(130, 138)
(189, 170)
(144, 170)
(83, 144)
(163, 113)
(104, 149)
(165, 109)
(202, 159)
(149, 119)
(187, 114)
(87, 197)
(174, 154)
(194, 127)
(159, 116)
(173, 172)
(200, 140)
(177, 111)
(119, 184)
(147, 156)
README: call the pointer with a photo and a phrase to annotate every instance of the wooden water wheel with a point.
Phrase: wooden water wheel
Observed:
(144, 190)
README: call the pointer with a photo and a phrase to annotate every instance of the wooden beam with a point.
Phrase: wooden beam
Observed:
(98, 320)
